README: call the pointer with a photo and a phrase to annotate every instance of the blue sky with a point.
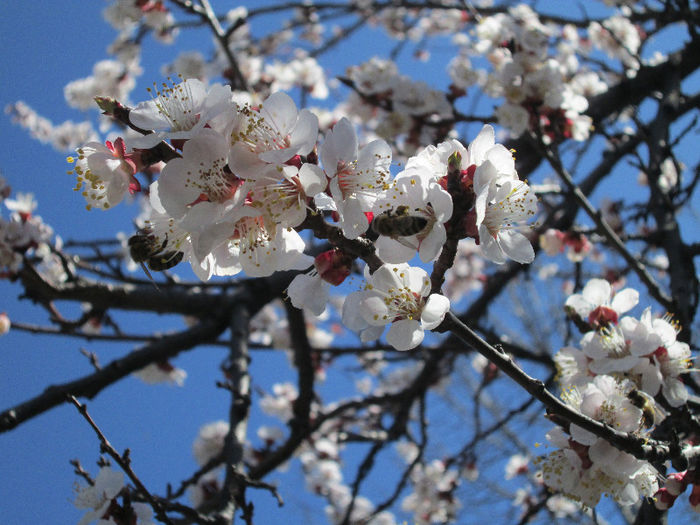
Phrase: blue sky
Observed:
(42, 50)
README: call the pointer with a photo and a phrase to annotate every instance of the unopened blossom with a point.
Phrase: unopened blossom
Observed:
(181, 111)
(162, 372)
(105, 173)
(517, 464)
(599, 305)
(552, 241)
(210, 442)
(4, 323)
(267, 137)
(357, 176)
(398, 295)
(311, 290)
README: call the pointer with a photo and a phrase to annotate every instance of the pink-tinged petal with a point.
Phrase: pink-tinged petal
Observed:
(353, 221)
(312, 179)
(245, 163)
(434, 311)
(592, 401)
(483, 142)
(405, 334)
(597, 292)
(416, 279)
(305, 133)
(394, 252)
(579, 305)
(485, 173)
(203, 269)
(625, 300)
(280, 112)
(116, 190)
(175, 194)
(310, 293)
(602, 453)
(375, 155)
(148, 141)
(211, 237)
(387, 276)
(109, 482)
(490, 246)
(352, 307)
(675, 392)
(340, 146)
(581, 435)
(371, 333)
(430, 246)
(665, 331)
(516, 246)
(441, 201)
(502, 159)
(651, 377)
(154, 198)
(147, 116)
(374, 311)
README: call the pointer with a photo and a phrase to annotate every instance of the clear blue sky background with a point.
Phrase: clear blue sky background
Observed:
(44, 46)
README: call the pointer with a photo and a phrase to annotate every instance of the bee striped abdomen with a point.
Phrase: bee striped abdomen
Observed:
(398, 223)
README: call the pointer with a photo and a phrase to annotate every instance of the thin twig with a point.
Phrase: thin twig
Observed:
(123, 460)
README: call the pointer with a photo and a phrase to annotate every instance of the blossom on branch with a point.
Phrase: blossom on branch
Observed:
(398, 295)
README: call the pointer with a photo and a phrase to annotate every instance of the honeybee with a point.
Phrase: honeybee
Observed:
(398, 223)
(144, 244)
(146, 249)
(652, 414)
(165, 261)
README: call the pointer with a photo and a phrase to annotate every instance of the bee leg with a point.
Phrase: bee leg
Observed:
(148, 274)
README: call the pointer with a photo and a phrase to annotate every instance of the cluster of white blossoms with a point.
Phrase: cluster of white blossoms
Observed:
(242, 181)
(542, 92)
(432, 499)
(624, 367)
(63, 137)
(100, 499)
(22, 233)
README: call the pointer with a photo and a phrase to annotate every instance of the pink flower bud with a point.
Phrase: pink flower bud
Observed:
(676, 483)
(333, 266)
(4, 323)
(663, 500)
